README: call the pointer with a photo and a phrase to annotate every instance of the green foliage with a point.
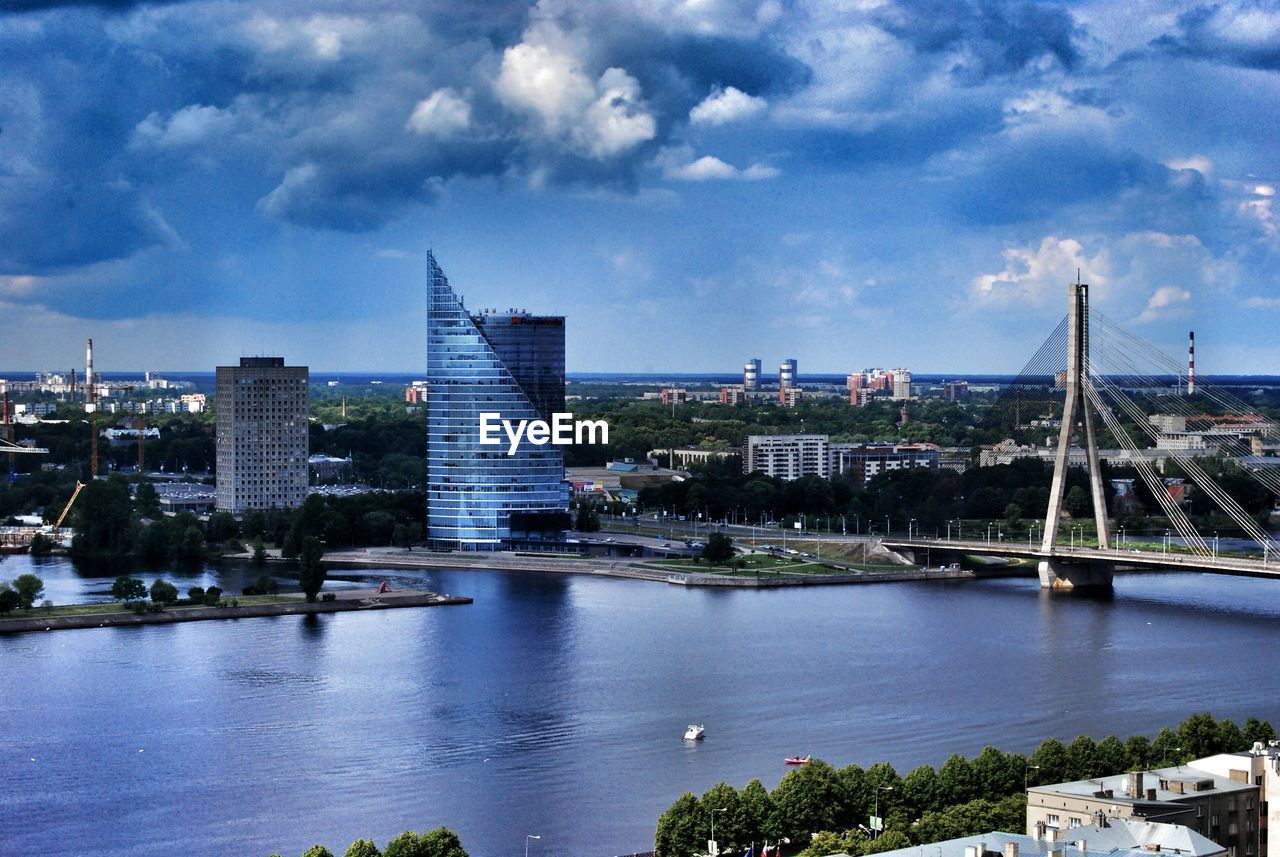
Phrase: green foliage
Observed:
(719, 549)
(587, 521)
(128, 589)
(190, 544)
(223, 527)
(440, 842)
(147, 500)
(379, 526)
(317, 851)
(808, 799)
(212, 596)
(362, 848)
(164, 592)
(405, 535)
(103, 518)
(976, 816)
(264, 585)
(1256, 730)
(311, 571)
(731, 827)
(679, 828)
(1051, 758)
(29, 588)
(1082, 763)
(890, 840)
(9, 599)
(259, 551)
(195, 595)
(41, 545)
(758, 813)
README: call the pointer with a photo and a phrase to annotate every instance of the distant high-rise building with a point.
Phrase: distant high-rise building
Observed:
(955, 391)
(674, 396)
(511, 364)
(734, 394)
(787, 373)
(262, 443)
(751, 374)
(901, 384)
(789, 396)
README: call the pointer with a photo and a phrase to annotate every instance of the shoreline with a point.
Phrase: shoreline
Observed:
(346, 601)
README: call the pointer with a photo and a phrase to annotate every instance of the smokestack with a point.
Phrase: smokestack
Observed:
(1191, 365)
(89, 392)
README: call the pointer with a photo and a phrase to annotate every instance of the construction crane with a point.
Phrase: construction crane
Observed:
(70, 503)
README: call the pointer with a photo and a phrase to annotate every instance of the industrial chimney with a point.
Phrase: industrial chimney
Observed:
(1191, 365)
(89, 390)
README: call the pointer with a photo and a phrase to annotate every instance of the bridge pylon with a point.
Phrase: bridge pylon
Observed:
(1057, 572)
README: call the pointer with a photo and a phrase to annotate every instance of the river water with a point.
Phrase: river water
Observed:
(554, 705)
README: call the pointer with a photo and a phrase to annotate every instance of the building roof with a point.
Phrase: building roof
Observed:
(1121, 838)
(1168, 785)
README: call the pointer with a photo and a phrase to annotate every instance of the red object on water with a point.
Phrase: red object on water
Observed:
(799, 760)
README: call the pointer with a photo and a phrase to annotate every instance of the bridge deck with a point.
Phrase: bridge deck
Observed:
(1134, 559)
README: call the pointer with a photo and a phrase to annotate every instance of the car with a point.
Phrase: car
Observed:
(609, 539)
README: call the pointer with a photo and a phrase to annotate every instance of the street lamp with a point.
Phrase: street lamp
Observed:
(1166, 542)
(713, 826)
(989, 526)
(878, 820)
(887, 528)
(912, 525)
(527, 837)
(1215, 545)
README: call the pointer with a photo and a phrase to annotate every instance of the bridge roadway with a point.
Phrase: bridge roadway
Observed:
(1119, 560)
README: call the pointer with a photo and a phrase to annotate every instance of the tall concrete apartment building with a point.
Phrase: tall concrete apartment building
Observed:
(262, 444)
(480, 497)
(751, 374)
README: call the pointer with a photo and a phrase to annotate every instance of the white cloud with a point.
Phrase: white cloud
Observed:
(190, 126)
(543, 78)
(1041, 275)
(678, 164)
(441, 114)
(1261, 303)
(1198, 163)
(723, 106)
(1166, 302)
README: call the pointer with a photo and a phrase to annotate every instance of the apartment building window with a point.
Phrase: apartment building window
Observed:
(1052, 821)
(1073, 822)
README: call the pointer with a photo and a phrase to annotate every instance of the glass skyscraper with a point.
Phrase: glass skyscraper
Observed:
(478, 496)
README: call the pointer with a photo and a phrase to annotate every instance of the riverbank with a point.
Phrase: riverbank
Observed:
(289, 605)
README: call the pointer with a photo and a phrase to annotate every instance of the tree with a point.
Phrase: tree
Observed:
(1082, 762)
(956, 780)
(103, 518)
(363, 848)
(757, 812)
(41, 545)
(310, 568)
(678, 829)
(8, 599)
(147, 500)
(730, 824)
(163, 592)
(441, 842)
(213, 595)
(317, 851)
(259, 550)
(1258, 730)
(222, 526)
(719, 548)
(587, 521)
(1199, 736)
(405, 535)
(890, 840)
(190, 543)
(29, 589)
(128, 589)
(1112, 756)
(1051, 758)
(997, 773)
(808, 799)
(1077, 502)
(921, 791)
(195, 595)
(1138, 749)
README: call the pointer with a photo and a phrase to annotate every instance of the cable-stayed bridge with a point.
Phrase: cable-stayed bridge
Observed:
(1109, 383)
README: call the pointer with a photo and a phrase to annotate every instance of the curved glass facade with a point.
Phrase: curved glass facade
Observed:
(478, 496)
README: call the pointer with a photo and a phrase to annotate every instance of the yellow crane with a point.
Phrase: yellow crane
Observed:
(70, 503)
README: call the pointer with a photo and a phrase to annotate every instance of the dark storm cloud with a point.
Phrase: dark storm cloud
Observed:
(1243, 34)
(18, 6)
(1001, 38)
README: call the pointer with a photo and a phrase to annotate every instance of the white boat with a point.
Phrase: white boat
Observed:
(694, 732)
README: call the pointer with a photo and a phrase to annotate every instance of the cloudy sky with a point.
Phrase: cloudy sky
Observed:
(692, 182)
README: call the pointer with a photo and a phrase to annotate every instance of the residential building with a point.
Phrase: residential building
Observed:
(955, 391)
(262, 440)
(901, 381)
(415, 393)
(674, 396)
(1223, 808)
(867, 461)
(787, 373)
(789, 396)
(480, 497)
(751, 374)
(733, 395)
(787, 456)
(1260, 766)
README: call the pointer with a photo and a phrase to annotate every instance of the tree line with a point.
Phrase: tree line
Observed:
(961, 798)
(440, 842)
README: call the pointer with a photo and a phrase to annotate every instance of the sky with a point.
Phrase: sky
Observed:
(851, 183)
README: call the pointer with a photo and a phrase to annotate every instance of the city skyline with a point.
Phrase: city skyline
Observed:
(879, 184)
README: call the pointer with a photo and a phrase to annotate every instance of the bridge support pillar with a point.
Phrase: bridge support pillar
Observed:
(1058, 574)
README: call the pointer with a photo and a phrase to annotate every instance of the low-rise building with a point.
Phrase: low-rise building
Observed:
(1112, 838)
(1223, 808)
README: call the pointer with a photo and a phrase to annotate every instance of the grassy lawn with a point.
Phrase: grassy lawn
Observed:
(118, 607)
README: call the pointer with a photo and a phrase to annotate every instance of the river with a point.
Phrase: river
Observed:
(554, 705)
